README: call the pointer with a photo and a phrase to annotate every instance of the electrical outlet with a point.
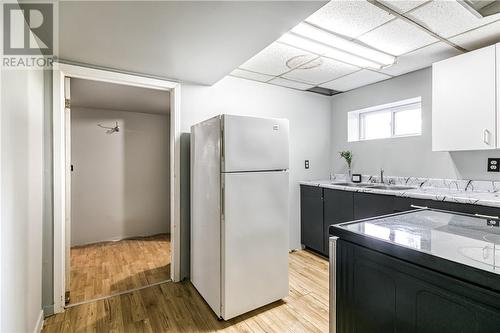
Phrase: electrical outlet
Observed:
(306, 164)
(493, 164)
(493, 223)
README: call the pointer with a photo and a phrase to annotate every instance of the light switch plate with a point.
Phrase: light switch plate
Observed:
(493, 164)
(306, 164)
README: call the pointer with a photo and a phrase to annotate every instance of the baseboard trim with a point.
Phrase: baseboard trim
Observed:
(119, 239)
(39, 323)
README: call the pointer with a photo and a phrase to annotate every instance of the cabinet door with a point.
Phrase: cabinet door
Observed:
(311, 217)
(338, 208)
(371, 205)
(406, 204)
(464, 102)
(378, 293)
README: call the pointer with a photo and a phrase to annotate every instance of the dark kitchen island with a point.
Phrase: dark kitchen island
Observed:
(423, 271)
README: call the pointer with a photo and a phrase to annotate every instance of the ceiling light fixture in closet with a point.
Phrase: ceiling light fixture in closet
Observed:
(322, 42)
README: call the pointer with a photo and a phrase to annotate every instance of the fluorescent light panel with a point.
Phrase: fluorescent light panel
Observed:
(327, 51)
(322, 36)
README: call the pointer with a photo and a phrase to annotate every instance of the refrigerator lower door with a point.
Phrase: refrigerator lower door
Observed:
(254, 240)
(255, 144)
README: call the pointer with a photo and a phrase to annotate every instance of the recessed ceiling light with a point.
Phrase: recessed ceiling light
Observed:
(327, 51)
(325, 38)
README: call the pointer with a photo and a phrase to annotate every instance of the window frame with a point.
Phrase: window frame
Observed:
(392, 108)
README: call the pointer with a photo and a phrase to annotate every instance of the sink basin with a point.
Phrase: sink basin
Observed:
(392, 187)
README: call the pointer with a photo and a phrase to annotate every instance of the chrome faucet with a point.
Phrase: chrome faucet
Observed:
(382, 175)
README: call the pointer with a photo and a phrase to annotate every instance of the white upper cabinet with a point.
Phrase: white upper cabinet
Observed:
(464, 101)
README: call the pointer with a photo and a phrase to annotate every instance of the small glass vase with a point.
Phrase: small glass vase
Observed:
(349, 174)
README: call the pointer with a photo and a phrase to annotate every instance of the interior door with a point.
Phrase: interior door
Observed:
(67, 200)
(255, 240)
(252, 144)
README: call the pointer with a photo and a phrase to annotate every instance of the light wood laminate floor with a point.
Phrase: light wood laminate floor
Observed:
(177, 307)
(108, 268)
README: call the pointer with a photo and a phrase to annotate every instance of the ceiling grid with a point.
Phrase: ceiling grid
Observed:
(415, 32)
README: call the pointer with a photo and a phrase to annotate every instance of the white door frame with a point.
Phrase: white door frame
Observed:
(61, 71)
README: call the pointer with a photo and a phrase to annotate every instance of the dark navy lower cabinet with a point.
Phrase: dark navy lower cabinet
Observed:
(321, 207)
(338, 207)
(370, 205)
(311, 217)
(405, 204)
(377, 293)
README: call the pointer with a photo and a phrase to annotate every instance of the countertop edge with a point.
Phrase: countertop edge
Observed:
(440, 195)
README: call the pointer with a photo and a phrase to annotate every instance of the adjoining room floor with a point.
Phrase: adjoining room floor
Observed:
(108, 268)
(177, 307)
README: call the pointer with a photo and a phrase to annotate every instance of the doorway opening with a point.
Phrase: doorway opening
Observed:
(116, 190)
(117, 185)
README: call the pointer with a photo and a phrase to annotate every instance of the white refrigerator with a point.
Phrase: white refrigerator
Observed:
(239, 212)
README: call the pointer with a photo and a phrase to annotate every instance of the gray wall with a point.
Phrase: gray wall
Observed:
(21, 199)
(409, 156)
(310, 125)
(120, 183)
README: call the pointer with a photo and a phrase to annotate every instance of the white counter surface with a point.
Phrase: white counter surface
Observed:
(486, 193)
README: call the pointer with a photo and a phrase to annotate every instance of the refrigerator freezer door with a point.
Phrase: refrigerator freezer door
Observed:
(255, 240)
(253, 144)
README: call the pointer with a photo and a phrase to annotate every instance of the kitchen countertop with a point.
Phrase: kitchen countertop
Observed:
(474, 197)
(460, 245)
(460, 238)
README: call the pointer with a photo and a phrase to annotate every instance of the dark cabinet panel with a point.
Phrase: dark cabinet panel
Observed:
(454, 207)
(438, 313)
(338, 207)
(371, 205)
(378, 293)
(311, 217)
(321, 208)
(405, 204)
(375, 294)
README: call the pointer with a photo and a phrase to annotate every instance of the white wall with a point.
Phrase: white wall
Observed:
(120, 182)
(310, 125)
(410, 156)
(21, 200)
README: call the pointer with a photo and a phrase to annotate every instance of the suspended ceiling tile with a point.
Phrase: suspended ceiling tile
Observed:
(251, 75)
(349, 18)
(397, 37)
(480, 37)
(328, 69)
(403, 6)
(355, 80)
(290, 84)
(448, 18)
(272, 60)
(421, 58)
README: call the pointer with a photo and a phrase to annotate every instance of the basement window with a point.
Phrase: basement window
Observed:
(398, 119)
